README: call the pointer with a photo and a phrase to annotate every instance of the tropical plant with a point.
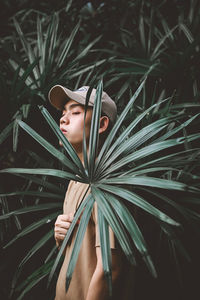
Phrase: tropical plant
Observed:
(165, 48)
(33, 58)
(36, 61)
(136, 168)
(125, 40)
(44, 57)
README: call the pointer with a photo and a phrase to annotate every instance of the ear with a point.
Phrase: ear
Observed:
(104, 122)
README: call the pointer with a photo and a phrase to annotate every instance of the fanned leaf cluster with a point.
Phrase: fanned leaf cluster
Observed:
(78, 43)
(126, 164)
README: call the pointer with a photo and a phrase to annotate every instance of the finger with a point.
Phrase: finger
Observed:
(64, 225)
(62, 218)
(60, 231)
(59, 237)
(65, 218)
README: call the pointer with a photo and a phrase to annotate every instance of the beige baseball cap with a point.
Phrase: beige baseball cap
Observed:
(58, 96)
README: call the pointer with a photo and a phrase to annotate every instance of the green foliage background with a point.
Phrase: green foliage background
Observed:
(78, 43)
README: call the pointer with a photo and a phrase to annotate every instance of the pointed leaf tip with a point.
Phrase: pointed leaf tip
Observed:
(40, 107)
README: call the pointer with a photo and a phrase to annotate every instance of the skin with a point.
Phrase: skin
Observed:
(72, 126)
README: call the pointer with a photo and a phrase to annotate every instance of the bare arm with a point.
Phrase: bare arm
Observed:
(98, 288)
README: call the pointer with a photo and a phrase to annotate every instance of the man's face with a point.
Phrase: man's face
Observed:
(72, 123)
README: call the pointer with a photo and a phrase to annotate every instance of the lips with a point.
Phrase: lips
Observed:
(63, 130)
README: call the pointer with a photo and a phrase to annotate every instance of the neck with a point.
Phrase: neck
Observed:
(80, 154)
(79, 151)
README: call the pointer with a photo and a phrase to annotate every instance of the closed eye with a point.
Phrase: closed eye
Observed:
(76, 113)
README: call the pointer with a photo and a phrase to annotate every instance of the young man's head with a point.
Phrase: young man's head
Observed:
(72, 105)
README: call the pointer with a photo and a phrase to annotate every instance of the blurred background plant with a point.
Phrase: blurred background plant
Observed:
(77, 43)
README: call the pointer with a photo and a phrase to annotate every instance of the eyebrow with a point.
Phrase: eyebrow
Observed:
(71, 106)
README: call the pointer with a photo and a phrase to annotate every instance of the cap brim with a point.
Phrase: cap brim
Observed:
(59, 95)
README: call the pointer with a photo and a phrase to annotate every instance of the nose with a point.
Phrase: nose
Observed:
(64, 119)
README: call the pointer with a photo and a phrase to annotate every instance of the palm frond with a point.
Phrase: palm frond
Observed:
(128, 221)
(30, 209)
(73, 165)
(29, 255)
(124, 167)
(69, 232)
(32, 227)
(44, 183)
(50, 172)
(77, 165)
(6, 132)
(94, 136)
(117, 125)
(105, 249)
(79, 238)
(138, 201)
(32, 280)
(116, 226)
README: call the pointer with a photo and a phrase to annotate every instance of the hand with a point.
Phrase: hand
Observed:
(62, 224)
